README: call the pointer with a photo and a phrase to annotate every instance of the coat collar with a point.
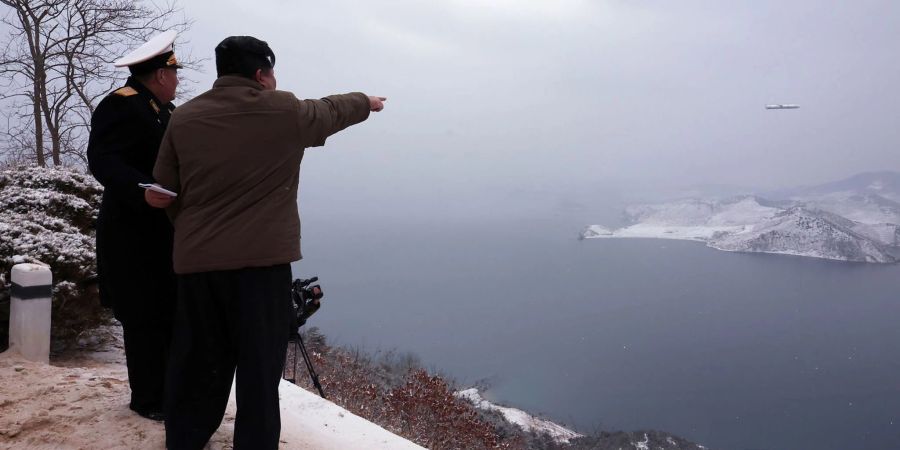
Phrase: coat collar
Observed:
(138, 86)
(236, 81)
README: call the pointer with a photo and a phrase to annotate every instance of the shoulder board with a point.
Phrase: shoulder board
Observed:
(126, 91)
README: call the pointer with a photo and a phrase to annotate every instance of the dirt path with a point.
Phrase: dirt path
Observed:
(79, 402)
(45, 406)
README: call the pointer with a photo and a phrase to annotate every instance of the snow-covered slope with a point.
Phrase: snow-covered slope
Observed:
(592, 231)
(841, 225)
(691, 219)
(521, 418)
(798, 231)
(860, 207)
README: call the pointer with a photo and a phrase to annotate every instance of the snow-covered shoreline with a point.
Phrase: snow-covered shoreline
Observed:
(859, 224)
(646, 231)
(675, 237)
(521, 418)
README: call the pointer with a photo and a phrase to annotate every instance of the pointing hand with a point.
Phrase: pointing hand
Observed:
(376, 103)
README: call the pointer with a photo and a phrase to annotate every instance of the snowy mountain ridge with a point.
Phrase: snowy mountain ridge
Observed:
(521, 418)
(857, 219)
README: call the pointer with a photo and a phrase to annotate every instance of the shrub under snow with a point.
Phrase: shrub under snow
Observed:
(47, 216)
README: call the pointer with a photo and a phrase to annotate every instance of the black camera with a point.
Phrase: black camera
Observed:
(307, 298)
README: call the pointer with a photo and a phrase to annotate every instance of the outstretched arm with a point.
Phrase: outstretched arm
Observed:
(319, 119)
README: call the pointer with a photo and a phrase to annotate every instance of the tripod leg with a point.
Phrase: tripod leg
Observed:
(309, 366)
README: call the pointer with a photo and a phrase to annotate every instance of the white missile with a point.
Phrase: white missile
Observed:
(782, 106)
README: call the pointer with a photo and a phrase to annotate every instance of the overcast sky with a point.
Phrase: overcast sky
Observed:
(518, 94)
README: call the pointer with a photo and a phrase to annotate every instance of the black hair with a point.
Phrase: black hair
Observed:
(144, 77)
(243, 55)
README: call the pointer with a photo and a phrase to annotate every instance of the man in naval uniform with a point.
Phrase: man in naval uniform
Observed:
(134, 240)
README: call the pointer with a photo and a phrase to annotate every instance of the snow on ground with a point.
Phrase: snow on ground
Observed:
(83, 404)
(741, 212)
(684, 212)
(642, 445)
(691, 233)
(592, 231)
(801, 232)
(695, 212)
(521, 418)
(887, 233)
(690, 219)
(309, 421)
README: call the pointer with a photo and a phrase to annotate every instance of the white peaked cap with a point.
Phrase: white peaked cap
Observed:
(159, 44)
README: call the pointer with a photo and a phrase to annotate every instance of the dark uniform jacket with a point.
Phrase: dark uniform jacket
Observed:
(233, 154)
(134, 240)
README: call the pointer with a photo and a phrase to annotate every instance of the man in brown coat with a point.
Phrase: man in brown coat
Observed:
(233, 156)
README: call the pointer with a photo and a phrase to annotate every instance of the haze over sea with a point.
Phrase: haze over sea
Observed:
(730, 350)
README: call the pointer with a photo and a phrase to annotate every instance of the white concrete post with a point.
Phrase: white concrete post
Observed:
(29, 312)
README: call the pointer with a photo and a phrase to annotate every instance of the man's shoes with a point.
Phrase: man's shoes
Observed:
(155, 415)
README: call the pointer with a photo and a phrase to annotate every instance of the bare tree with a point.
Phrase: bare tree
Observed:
(57, 63)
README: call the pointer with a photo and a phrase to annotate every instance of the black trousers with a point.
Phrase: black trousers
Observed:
(146, 353)
(227, 321)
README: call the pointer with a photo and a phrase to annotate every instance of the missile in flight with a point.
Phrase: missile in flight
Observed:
(782, 106)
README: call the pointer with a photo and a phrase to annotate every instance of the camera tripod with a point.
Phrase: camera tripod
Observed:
(306, 302)
(300, 347)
